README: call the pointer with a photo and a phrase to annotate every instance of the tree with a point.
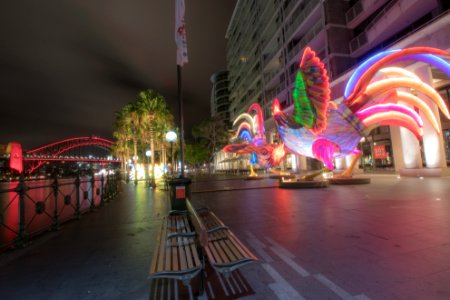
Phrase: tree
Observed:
(138, 124)
(213, 134)
(123, 134)
(196, 154)
(154, 117)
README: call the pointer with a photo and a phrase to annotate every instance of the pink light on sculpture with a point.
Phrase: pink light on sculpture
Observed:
(276, 107)
(396, 119)
(385, 85)
(259, 119)
(323, 150)
(415, 101)
(383, 108)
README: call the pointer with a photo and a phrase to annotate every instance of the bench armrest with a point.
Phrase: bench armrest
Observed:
(181, 234)
(217, 229)
(177, 212)
(204, 208)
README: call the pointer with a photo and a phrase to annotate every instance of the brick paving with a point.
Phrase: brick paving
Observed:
(386, 240)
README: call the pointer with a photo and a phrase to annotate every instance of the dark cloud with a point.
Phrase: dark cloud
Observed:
(67, 66)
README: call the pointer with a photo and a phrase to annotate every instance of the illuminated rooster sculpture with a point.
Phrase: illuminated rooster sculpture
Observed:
(252, 134)
(374, 96)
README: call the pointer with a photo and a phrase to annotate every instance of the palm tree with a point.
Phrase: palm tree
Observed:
(136, 131)
(123, 134)
(119, 149)
(154, 116)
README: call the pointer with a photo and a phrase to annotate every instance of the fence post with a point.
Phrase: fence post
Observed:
(77, 205)
(108, 187)
(116, 184)
(102, 190)
(93, 191)
(21, 189)
(55, 211)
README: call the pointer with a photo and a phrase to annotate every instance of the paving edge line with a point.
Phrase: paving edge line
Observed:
(234, 189)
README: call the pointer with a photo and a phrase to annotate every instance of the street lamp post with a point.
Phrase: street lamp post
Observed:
(171, 137)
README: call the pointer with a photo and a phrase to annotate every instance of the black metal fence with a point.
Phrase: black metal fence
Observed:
(30, 207)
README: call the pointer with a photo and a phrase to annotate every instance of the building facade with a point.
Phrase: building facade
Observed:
(220, 108)
(265, 40)
(220, 102)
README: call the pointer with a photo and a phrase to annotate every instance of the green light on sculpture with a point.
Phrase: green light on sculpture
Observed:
(303, 112)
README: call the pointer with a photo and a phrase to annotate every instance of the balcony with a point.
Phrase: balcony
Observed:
(304, 17)
(392, 19)
(361, 11)
(268, 76)
(274, 93)
(314, 32)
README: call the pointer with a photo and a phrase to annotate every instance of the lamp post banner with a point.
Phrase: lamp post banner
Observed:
(180, 33)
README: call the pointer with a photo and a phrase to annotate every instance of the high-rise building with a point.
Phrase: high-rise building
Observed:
(265, 40)
(220, 103)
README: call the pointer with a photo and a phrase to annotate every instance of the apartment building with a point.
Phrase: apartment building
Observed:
(220, 103)
(265, 40)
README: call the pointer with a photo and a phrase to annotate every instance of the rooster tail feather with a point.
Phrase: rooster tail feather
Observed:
(417, 103)
(393, 118)
(388, 85)
(363, 75)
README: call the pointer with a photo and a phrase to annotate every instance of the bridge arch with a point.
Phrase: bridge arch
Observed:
(36, 157)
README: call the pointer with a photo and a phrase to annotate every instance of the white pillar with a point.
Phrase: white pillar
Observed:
(411, 150)
(294, 163)
(397, 148)
(341, 163)
(348, 161)
(302, 163)
(432, 141)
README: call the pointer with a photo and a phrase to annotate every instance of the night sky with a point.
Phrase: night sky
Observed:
(66, 66)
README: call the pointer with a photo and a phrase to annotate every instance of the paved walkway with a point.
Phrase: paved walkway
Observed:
(386, 240)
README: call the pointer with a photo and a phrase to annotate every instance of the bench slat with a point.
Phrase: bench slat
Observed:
(154, 264)
(186, 244)
(221, 253)
(161, 249)
(169, 247)
(176, 255)
(242, 247)
(211, 254)
(225, 251)
(229, 256)
(178, 246)
(231, 249)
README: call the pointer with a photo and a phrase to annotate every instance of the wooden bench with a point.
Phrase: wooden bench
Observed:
(176, 255)
(224, 251)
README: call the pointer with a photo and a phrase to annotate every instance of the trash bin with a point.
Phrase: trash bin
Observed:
(179, 191)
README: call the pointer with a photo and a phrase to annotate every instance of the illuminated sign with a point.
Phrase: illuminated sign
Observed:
(379, 152)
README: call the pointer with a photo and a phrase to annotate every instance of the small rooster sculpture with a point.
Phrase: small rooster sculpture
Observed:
(374, 96)
(252, 134)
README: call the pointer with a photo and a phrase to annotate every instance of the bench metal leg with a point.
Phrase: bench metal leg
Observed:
(226, 274)
(203, 278)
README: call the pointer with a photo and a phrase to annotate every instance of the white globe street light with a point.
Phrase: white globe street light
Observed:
(171, 137)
